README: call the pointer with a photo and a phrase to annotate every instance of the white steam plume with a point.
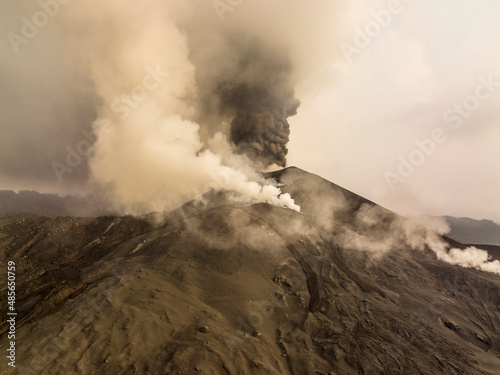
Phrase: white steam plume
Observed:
(152, 156)
(471, 257)
(378, 232)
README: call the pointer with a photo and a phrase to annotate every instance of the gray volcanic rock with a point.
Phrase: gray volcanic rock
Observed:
(224, 288)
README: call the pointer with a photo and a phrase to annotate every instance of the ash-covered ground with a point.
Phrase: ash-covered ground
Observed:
(217, 287)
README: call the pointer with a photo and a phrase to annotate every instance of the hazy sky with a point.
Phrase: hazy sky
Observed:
(354, 128)
(415, 99)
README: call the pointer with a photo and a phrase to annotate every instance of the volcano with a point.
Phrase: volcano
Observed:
(217, 287)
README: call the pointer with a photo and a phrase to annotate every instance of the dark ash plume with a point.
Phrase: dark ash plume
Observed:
(261, 97)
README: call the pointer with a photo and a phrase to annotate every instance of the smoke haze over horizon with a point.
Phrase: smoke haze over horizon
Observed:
(154, 103)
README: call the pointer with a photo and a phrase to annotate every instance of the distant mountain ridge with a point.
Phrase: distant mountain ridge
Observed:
(470, 231)
(49, 205)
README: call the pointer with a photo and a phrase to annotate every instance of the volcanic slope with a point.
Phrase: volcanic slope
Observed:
(220, 288)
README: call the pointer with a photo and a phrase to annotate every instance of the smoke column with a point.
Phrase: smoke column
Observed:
(379, 232)
(214, 85)
(262, 97)
(179, 124)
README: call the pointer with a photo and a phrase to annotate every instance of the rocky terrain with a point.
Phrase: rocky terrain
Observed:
(216, 287)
